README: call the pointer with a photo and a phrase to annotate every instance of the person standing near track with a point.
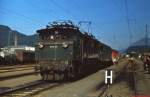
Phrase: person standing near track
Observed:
(145, 61)
(148, 64)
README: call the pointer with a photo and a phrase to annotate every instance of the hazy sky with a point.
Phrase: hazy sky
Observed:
(108, 17)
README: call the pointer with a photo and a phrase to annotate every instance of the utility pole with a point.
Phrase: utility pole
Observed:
(128, 22)
(146, 38)
(8, 42)
(114, 39)
(16, 40)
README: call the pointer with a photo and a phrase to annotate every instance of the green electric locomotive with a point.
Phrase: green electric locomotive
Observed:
(64, 52)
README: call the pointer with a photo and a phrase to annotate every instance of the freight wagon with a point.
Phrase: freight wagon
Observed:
(23, 56)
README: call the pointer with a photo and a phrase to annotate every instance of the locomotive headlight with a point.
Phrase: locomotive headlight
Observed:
(52, 37)
(40, 45)
(65, 45)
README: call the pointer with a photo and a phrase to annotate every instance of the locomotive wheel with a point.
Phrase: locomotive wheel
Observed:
(80, 72)
(74, 73)
(61, 77)
(42, 75)
(70, 73)
(45, 77)
(58, 76)
(66, 75)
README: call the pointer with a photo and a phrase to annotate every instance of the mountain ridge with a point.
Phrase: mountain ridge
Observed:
(139, 46)
(23, 39)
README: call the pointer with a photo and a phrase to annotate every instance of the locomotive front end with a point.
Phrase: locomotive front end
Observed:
(54, 51)
(55, 56)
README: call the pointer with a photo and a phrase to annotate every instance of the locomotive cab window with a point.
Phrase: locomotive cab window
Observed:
(55, 35)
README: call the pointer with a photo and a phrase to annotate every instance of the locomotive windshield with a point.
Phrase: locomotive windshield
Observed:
(55, 35)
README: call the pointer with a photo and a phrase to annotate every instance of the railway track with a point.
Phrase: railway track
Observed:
(18, 71)
(129, 71)
(27, 90)
(15, 66)
(5, 70)
(18, 75)
(132, 76)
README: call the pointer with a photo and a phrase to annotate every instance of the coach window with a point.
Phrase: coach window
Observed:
(101, 48)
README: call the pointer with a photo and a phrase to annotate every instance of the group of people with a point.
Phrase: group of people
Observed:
(146, 61)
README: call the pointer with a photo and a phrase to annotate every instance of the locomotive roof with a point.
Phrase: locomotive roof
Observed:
(69, 27)
(66, 26)
(59, 26)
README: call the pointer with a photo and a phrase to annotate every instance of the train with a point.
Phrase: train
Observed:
(16, 57)
(64, 52)
(1, 60)
(115, 56)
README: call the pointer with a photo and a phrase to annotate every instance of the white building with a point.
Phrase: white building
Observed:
(11, 49)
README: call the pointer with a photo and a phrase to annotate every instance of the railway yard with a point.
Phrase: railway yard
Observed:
(23, 81)
(63, 48)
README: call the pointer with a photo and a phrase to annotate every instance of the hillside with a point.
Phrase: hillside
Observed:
(139, 46)
(22, 38)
